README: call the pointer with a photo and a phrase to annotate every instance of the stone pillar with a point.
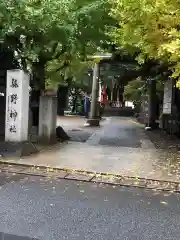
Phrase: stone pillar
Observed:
(47, 119)
(94, 117)
(17, 115)
(17, 106)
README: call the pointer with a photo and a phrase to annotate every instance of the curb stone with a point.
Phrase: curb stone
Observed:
(86, 176)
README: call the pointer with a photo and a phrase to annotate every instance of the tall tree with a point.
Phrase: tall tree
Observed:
(151, 26)
(51, 32)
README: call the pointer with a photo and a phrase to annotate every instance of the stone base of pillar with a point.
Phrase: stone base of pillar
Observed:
(45, 140)
(94, 122)
(17, 149)
(47, 120)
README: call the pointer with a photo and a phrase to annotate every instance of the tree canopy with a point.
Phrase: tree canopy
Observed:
(134, 90)
(137, 88)
(150, 27)
(52, 36)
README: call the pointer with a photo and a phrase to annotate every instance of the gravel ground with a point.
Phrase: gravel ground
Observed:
(163, 140)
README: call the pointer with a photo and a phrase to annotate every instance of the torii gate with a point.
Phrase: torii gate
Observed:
(94, 117)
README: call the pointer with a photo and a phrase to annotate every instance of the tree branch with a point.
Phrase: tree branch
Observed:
(51, 53)
(63, 66)
(58, 54)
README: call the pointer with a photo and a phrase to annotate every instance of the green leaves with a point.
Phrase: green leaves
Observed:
(134, 90)
(58, 33)
(151, 26)
(40, 22)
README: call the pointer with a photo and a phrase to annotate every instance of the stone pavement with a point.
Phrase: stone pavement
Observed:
(74, 126)
(120, 146)
(69, 122)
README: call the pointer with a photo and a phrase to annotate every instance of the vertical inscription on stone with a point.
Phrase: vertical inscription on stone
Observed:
(12, 100)
(14, 83)
(17, 106)
(167, 103)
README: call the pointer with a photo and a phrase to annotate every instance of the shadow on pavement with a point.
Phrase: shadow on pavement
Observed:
(79, 135)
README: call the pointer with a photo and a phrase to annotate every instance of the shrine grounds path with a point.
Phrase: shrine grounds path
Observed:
(120, 147)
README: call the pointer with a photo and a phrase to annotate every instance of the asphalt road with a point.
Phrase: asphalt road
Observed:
(49, 209)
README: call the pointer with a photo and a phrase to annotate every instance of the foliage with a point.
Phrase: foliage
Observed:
(73, 72)
(49, 33)
(151, 27)
(35, 28)
(134, 90)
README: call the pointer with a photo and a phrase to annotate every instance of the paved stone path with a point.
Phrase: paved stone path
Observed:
(120, 147)
(46, 203)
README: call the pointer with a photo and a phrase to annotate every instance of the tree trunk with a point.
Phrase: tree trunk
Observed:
(62, 95)
(39, 75)
(62, 99)
(38, 85)
(152, 104)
